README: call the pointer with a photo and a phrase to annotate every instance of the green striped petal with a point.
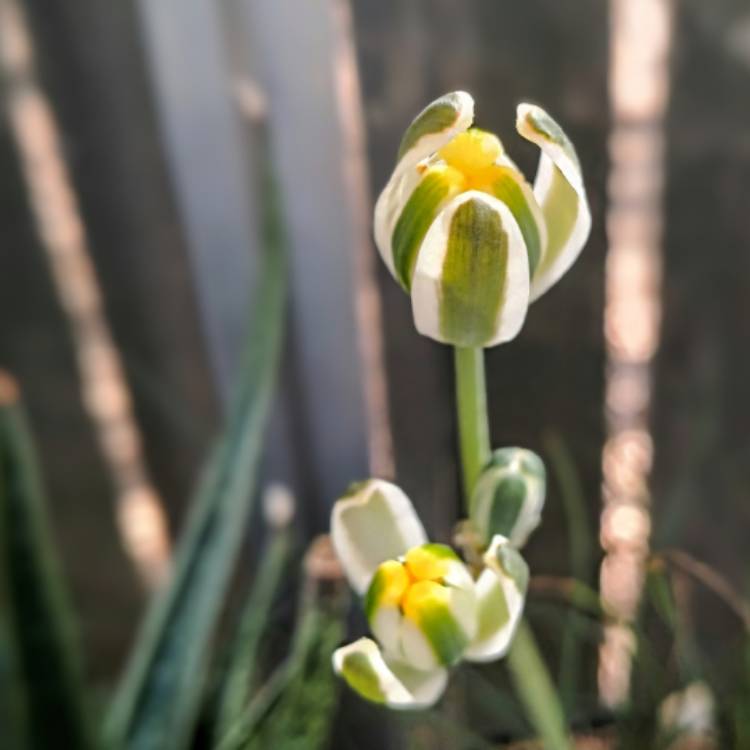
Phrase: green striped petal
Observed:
(375, 522)
(511, 188)
(501, 594)
(387, 681)
(471, 280)
(435, 125)
(430, 195)
(440, 629)
(560, 192)
(389, 208)
(509, 496)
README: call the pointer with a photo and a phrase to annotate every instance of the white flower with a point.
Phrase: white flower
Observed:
(422, 604)
(463, 232)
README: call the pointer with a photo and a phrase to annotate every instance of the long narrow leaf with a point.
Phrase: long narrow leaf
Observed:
(242, 665)
(295, 707)
(157, 703)
(581, 553)
(41, 621)
(12, 705)
(302, 717)
(536, 690)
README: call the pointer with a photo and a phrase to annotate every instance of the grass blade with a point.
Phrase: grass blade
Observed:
(294, 710)
(157, 703)
(536, 691)
(41, 620)
(242, 664)
(301, 718)
(12, 704)
(581, 553)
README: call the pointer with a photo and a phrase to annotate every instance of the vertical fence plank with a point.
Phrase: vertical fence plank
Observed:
(702, 407)
(92, 69)
(208, 164)
(295, 43)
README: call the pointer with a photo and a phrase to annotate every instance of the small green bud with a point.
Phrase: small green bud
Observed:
(509, 496)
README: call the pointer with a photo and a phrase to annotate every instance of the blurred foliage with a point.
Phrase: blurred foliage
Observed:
(161, 699)
(297, 715)
(243, 658)
(40, 619)
(157, 702)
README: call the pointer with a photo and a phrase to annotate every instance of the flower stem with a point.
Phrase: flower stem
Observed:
(536, 689)
(528, 670)
(473, 426)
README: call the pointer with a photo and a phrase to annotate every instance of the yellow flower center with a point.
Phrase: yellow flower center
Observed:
(396, 582)
(419, 594)
(473, 154)
(411, 583)
(424, 565)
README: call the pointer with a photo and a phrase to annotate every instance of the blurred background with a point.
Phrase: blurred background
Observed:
(134, 143)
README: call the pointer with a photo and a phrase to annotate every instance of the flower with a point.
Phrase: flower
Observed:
(423, 605)
(463, 232)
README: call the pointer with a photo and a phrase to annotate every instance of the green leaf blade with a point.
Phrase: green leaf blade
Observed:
(41, 622)
(156, 705)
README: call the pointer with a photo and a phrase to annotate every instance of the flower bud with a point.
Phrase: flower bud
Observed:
(509, 496)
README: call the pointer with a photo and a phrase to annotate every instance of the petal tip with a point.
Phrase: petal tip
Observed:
(374, 522)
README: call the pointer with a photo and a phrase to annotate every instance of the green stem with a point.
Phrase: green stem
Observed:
(473, 427)
(536, 689)
(530, 675)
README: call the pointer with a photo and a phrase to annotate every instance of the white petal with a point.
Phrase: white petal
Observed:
(463, 597)
(386, 627)
(427, 285)
(559, 189)
(464, 606)
(501, 593)
(416, 650)
(420, 141)
(458, 576)
(425, 687)
(524, 207)
(425, 135)
(374, 524)
(389, 681)
(388, 208)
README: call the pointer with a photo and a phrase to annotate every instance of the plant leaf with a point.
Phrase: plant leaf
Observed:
(156, 703)
(242, 667)
(301, 717)
(40, 617)
(536, 691)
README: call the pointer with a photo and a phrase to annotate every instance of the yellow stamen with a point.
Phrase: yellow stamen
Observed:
(424, 565)
(419, 594)
(472, 152)
(396, 582)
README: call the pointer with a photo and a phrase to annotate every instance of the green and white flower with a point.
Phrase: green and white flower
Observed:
(509, 496)
(423, 606)
(464, 233)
